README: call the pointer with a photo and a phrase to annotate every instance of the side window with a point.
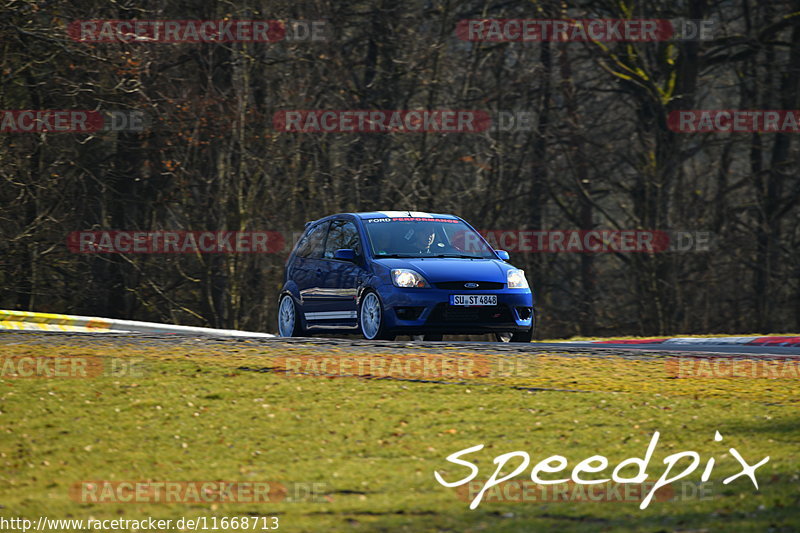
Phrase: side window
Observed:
(343, 234)
(311, 243)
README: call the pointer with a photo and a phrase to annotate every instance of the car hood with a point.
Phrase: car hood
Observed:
(437, 270)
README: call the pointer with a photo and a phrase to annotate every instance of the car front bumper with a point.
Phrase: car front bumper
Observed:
(418, 311)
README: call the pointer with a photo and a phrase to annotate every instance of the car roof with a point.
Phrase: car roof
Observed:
(403, 214)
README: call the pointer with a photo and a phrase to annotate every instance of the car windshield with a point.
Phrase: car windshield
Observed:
(425, 237)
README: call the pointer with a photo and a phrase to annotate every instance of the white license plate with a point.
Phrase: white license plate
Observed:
(473, 299)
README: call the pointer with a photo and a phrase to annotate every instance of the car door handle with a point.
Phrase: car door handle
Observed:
(319, 271)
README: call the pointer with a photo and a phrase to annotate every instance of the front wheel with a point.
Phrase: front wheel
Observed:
(371, 320)
(288, 318)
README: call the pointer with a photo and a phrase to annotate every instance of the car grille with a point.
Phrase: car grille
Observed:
(495, 314)
(459, 285)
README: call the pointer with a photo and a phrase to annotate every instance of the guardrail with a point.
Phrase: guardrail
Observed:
(29, 321)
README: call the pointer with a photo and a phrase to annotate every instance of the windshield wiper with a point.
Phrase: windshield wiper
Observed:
(395, 256)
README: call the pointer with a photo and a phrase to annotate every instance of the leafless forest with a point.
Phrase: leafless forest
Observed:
(598, 154)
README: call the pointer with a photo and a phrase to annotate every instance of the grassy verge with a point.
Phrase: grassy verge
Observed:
(372, 445)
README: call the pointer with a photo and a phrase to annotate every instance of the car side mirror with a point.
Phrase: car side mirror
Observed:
(345, 254)
(502, 254)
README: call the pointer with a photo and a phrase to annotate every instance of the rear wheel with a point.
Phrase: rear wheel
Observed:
(288, 318)
(371, 318)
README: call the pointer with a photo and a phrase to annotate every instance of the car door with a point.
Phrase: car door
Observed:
(341, 279)
(307, 269)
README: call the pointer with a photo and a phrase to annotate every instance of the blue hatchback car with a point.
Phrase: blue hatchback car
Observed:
(392, 273)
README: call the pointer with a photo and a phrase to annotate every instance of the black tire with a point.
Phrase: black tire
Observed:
(296, 328)
(519, 336)
(367, 318)
(522, 336)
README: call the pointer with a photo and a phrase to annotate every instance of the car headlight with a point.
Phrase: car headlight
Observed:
(403, 277)
(516, 279)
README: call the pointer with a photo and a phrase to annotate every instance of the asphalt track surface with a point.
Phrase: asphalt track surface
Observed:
(357, 345)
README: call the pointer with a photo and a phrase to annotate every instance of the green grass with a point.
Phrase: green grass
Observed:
(375, 444)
